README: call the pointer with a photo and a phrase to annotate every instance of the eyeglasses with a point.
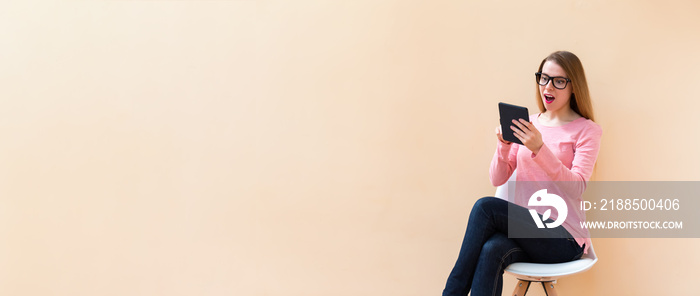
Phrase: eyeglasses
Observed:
(558, 82)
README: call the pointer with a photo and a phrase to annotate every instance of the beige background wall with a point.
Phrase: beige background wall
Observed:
(311, 147)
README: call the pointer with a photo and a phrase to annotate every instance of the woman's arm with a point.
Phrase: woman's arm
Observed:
(504, 161)
(585, 154)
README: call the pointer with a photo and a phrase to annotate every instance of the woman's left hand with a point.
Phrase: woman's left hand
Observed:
(528, 134)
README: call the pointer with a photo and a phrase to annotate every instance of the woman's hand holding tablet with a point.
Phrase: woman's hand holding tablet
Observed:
(516, 127)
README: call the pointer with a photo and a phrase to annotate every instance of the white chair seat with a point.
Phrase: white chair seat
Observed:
(549, 271)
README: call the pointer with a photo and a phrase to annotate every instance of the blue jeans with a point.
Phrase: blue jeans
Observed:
(486, 249)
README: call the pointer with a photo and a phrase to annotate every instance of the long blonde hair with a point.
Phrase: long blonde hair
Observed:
(580, 97)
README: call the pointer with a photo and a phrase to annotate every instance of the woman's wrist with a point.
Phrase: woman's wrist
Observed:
(505, 142)
(537, 150)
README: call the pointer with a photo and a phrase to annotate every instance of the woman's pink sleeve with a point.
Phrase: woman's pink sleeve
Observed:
(503, 163)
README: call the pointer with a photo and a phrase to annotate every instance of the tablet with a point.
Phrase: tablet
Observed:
(508, 113)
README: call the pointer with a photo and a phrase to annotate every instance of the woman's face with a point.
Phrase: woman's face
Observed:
(555, 99)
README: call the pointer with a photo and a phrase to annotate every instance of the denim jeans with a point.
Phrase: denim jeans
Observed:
(486, 249)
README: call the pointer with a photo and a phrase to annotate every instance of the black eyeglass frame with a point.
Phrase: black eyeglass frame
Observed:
(539, 74)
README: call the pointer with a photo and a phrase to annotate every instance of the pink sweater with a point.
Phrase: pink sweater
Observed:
(569, 154)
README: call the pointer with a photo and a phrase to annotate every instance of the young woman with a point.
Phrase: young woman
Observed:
(559, 144)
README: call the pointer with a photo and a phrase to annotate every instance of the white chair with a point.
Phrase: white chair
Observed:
(545, 273)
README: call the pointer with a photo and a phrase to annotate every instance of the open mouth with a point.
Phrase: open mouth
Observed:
(548, 98)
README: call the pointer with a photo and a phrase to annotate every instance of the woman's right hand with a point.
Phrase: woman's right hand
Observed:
(499, 134)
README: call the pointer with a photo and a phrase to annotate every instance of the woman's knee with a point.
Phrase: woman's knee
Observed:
(488, 202)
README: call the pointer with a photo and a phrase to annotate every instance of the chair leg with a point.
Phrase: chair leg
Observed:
(521, 288)
(549, 289)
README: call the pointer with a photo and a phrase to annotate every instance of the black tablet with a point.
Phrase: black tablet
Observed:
(508, 113)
